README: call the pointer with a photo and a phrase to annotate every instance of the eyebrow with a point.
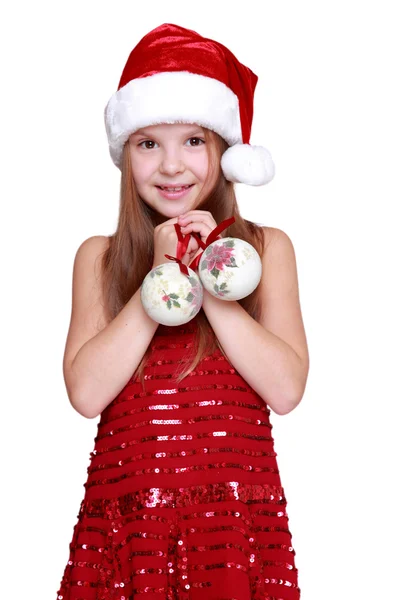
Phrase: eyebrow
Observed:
(195, 129)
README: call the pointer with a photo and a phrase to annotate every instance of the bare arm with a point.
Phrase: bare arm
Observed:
(265, 361)
(98, 364)
(104, 364)
(272, 355)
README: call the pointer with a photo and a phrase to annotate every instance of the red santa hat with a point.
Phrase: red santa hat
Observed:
(174, 75)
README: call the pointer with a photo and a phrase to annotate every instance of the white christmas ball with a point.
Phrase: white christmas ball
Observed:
(169, 297)
(230, 268)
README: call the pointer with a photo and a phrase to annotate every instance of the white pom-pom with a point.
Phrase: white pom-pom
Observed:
(243, 163)
(169, 297)
(230, 268)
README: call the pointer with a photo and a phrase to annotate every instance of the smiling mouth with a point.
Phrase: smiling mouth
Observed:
(175, 189)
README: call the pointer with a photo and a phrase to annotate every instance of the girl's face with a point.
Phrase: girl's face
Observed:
(169, 155)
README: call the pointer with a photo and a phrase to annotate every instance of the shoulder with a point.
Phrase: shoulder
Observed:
(279, 268)
(279, 257)
(90, 251)
(97, 244)
(87, 261)
(87, 269)
(276, 242)
(88, 306)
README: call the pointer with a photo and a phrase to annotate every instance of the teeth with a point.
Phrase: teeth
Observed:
(177, 189)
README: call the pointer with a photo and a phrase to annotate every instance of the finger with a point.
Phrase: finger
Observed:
(198, 226)
(193, 244)
(204, 216)
(167, 223)
(189, 256)
(194, 256)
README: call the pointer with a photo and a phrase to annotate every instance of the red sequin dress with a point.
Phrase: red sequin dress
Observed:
(183, 499)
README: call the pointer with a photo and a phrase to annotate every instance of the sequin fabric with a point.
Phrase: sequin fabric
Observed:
(183, 499)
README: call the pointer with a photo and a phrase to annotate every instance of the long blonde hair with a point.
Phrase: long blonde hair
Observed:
(129, 255)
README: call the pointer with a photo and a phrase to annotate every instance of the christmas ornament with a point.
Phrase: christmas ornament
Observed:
(229, 268)
(172, 293)
(174, 75)
(169, 296)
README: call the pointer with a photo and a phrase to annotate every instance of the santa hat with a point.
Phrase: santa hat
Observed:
(174, 75)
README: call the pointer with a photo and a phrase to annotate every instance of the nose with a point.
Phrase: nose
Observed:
(171, 162)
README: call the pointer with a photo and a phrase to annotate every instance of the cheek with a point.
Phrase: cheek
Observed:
(141, 170)
(200, 167)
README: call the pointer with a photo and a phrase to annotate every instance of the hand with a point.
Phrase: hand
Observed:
(165, 242)
(201, 222)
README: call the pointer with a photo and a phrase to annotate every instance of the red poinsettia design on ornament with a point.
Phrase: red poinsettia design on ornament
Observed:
(218, 256)
(215, 258)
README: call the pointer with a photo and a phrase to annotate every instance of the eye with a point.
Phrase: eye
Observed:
(198, 139)
(146, 142)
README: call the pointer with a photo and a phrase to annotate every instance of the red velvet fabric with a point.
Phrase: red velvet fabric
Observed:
(173, 48)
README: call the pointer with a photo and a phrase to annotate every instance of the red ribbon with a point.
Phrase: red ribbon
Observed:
(183, 242)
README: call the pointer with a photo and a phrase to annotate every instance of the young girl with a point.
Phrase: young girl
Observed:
(183, 498)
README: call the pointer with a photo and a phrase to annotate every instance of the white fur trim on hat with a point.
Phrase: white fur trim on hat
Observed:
(171, 97)
(244, 163)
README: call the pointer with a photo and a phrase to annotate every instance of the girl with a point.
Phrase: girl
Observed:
(183, 498)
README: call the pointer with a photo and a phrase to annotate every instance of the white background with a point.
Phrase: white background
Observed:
(327, 108)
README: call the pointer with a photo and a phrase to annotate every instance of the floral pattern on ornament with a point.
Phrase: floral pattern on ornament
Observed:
(194, 297)
(215, 258)
(156, 271)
